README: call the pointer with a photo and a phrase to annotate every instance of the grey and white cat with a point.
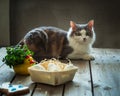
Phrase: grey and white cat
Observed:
(81, 38)
(49, 42)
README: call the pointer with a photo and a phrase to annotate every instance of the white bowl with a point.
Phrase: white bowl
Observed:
(50, 77)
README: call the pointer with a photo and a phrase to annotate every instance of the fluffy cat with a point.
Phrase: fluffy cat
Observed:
(49, 42)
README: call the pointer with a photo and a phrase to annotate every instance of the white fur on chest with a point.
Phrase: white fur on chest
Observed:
(78, 49)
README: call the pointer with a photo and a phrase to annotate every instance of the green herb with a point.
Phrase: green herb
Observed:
(16, 55)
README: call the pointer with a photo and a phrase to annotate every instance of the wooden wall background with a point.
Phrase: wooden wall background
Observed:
(4, 23)
(28, 14)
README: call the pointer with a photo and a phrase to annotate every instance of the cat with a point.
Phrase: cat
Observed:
(52, 42)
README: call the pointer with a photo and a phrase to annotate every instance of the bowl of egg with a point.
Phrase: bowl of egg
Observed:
(52, 72)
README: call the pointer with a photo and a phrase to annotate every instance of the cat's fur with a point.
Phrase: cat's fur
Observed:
(48, 42)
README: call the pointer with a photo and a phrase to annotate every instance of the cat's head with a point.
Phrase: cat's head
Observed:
(35, 39)
(82, 33)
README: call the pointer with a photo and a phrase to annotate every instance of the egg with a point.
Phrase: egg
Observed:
(39, 67)
(69, 67)
(53, 67)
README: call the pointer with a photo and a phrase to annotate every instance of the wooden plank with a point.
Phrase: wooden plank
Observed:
(81, 85)
(2, 54)
(26, 81)
(6, 74)
(48, 90)
(105, 72)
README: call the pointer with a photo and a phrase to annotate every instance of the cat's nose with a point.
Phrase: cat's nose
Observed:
(84, 39)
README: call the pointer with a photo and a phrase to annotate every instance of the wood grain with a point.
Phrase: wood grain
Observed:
(48, 90)
(6, 74)
(81, 85)
(26, 81)
(2, 54)
(105, 72)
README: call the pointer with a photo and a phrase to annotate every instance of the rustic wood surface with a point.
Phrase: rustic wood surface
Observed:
(2, 54)
(106, 72)
(93, 78)
(80, 86)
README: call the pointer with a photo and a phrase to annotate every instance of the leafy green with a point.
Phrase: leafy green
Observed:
(16, 55)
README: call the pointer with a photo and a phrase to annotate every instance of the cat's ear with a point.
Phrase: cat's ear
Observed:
(90, 24)
(73, 25)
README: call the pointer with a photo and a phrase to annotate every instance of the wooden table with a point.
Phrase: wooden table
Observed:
(100, 77)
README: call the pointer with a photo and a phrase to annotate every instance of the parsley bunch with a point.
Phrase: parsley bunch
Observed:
(16, 55)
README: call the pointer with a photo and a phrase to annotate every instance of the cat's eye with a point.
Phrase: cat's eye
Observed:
(78, 34)
(87, 34)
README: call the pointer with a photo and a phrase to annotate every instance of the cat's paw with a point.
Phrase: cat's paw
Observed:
(88, 57)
